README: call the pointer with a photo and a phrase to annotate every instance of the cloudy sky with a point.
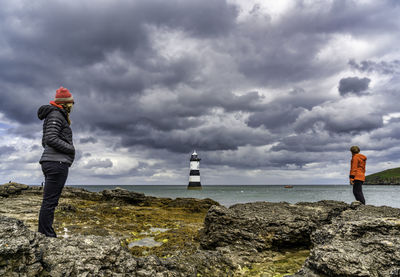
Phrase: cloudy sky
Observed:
(266, 93)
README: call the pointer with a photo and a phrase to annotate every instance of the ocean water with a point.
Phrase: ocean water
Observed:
(230, 195)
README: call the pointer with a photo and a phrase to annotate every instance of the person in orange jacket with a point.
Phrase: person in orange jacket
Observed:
(357, 173)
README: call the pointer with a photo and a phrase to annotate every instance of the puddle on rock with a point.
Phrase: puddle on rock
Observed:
(145, 242)
(154, 231)
(158, 230)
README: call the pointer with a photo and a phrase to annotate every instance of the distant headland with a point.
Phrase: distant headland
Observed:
(386, 177)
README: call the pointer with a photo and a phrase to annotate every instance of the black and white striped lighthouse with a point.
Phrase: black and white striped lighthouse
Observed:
(194, 176)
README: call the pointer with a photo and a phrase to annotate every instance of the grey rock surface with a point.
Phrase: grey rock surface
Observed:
(362, 241)
(27, 253)
(264, 225)
(19, 248)
(130, 197)
(345, 240)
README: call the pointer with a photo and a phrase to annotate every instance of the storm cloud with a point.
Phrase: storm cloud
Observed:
(258, 89)
(353, 85)
(7, 150)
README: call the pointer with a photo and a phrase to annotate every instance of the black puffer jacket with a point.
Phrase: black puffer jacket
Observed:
(57, 135)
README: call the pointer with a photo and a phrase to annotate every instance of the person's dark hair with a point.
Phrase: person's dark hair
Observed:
(355, 149)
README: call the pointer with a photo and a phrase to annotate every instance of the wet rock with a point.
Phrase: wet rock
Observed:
(263, 225)
(10, 189)
(192, 204)
(362, 241)
(124, 195)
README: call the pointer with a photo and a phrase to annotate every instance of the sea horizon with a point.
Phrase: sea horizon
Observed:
(229, 195)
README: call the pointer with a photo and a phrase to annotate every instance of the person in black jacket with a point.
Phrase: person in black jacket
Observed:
(58, 155)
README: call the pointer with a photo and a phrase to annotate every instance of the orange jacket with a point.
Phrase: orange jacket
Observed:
(357, 167)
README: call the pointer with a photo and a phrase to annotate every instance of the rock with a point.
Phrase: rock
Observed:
(124, 195)
(19, 251)
(67, 208)
(192, 204)
(9, 189)
(27, 253)
(90, 255)
(362, 241)
(263, 225)
(243, 240)
(135, 198)
(67, 192)
(71, 192)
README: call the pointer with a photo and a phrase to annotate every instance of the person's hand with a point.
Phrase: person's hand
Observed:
(351, 182)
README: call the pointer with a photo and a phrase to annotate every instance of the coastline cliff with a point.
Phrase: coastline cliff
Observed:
(325, 238)
(386, 177)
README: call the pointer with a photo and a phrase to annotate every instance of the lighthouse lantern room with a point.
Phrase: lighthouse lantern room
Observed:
(194, 176)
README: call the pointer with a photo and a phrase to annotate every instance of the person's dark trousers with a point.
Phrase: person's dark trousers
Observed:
(55, 174)
(357, 191)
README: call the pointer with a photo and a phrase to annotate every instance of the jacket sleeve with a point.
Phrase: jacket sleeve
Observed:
(51, 136)
(353, 168)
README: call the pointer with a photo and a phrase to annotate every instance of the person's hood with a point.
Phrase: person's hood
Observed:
(44, 111)
(361, 157)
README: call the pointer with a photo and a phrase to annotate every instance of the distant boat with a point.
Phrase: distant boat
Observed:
(288, 187)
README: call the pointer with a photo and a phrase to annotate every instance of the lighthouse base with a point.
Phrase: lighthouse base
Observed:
(194, 185)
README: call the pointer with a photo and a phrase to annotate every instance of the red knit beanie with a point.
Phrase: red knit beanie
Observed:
(63, 96)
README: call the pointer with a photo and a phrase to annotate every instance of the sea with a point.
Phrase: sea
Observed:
(229, 195)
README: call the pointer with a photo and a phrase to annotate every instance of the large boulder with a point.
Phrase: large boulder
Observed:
(193, 204)
(119, 194)
(264, 225)
(362, 241)
(11, 188)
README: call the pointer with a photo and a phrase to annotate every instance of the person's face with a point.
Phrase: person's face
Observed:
(69, 107)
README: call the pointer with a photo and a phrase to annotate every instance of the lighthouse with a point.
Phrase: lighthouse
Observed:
(194, 176)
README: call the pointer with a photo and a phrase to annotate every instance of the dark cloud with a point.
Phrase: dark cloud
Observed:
(314, 142)
(7, 150)
(206, 138)
(36, 147)
(102, 53)
(282, 159)
(271, 56)
(347, 116)
(199, 102)
(383, 67)
(88, 140)
(353, 85)
(31, 131)
(98, 163)
(275, 116)
(280, 114)
(161, 78)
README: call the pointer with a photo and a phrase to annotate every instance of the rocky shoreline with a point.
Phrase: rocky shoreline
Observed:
(197, 237)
